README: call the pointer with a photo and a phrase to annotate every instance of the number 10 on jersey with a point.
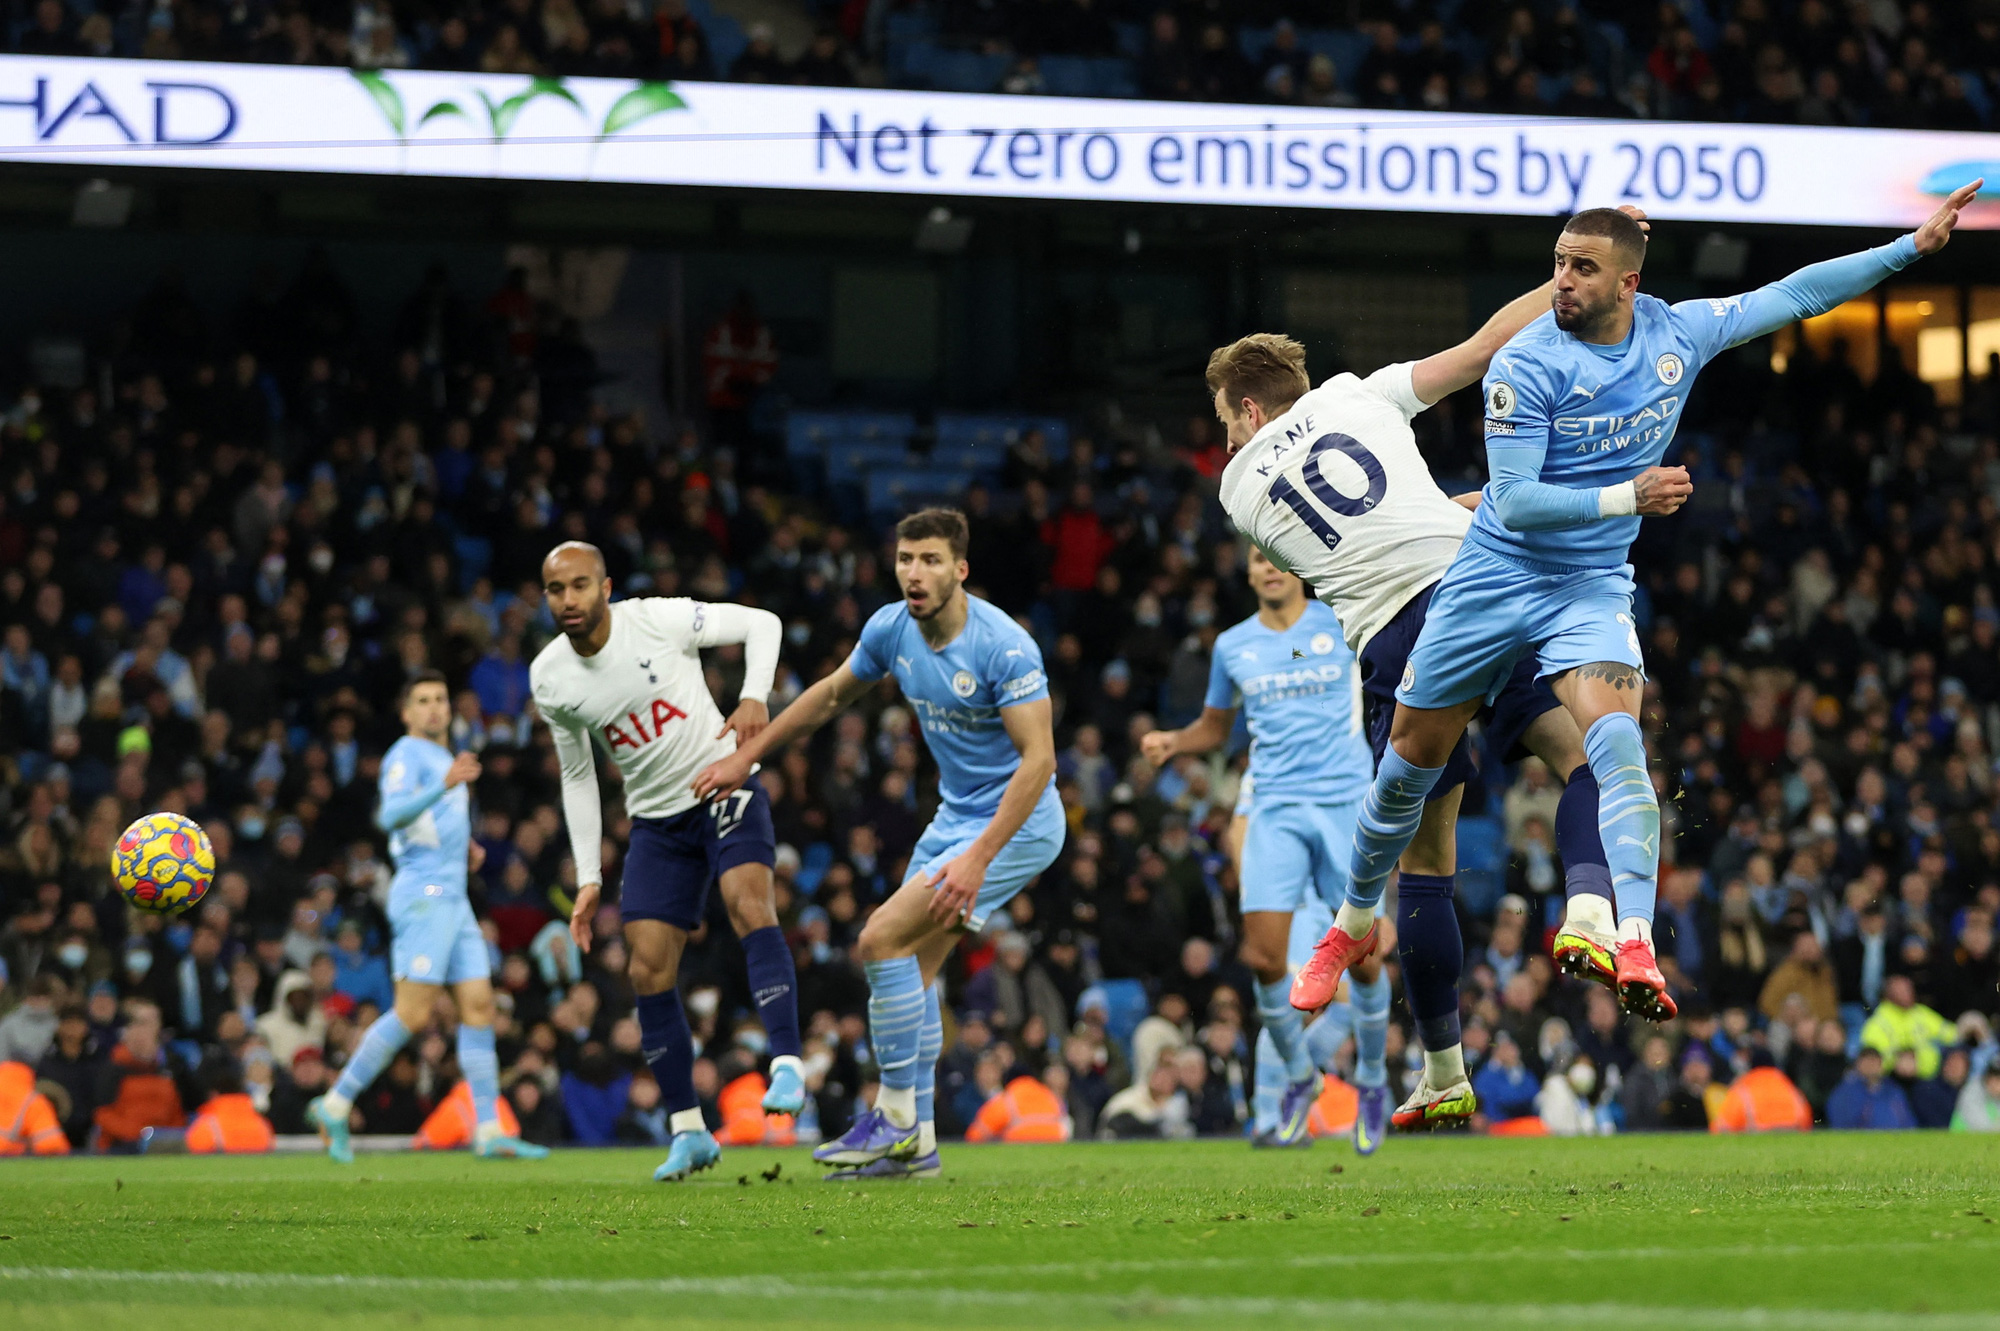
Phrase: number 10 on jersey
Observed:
(1282, 490)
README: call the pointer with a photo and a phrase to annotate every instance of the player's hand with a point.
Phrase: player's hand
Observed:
(955, 887)
(721, 776)
(748, 721)
(1933, 235)
(464, 770)
(1662, 490)
(1638, 215)
(475, 858)
(1158, 746)
(582, 914)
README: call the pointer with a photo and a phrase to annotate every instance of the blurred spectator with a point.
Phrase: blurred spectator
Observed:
(1903, 1023)
(1868, 1099)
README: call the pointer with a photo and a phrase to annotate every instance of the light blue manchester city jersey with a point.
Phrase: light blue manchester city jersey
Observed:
(429, 827)
(1300, 692)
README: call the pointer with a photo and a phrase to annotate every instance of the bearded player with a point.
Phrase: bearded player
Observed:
(629, 677)
(974, 678)
(1581, 406)
(1289, 670)
(1330, 484)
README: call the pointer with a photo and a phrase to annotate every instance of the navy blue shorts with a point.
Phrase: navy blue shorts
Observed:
(1521, 699)
(672, 861)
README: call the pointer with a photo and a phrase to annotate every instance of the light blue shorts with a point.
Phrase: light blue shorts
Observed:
(1488, 612)
(437, 938)
(1295, 855)
(1309, 924)
(1033, 849)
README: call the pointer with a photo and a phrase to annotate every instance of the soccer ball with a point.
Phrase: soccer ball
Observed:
(163, 863)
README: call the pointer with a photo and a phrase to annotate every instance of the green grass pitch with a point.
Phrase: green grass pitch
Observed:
(1823, 1233)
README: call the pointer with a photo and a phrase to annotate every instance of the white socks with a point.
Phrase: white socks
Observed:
(926, 1137)
(1444, 1068)
(1636, 928)
(337, 1105)
(1354, 921)
(898, 1104)
(1587, 910)
(687, 1120)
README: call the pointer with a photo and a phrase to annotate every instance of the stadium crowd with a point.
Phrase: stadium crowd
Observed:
(220, 558)
(1893, 63)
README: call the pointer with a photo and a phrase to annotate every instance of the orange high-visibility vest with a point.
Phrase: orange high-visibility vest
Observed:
(1530, 1125)
(744, 1122)
(1334, 1112)
(229, 1123)
(28, 1123)
(452, 1123)
(147, 1098)
(1762, 1100)
(1026, 1111)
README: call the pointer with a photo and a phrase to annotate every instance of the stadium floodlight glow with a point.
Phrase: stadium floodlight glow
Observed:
(512, 127)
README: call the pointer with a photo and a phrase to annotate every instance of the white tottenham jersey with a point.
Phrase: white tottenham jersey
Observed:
(1336, 491)
(644, 698)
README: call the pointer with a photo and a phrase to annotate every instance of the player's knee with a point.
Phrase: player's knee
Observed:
(750, 908)
(1265, 963)
(651, 974)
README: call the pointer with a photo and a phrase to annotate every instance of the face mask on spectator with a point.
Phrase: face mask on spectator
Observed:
(179, 936)
(822, 953)
(252, 828)
(137, 962)
(73, 955)
(754, 1040)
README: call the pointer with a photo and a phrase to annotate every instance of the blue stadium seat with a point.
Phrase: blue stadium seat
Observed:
(1067, 76)
(967, 71)
(1482, 862)
(1346, 47)
(960, 430)
(475, 556)
(1976, 92)
(909, 25)
(811, 433)
(894, 492)
(726, 42)
(1114, 76)
(847, 461)
(1131, 39)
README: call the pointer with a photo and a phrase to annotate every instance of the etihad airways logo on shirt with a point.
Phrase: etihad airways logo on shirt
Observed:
(1306, 679)
(1609, 434)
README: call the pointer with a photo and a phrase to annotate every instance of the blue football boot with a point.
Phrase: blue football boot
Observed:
(690, 1153)
(332, 1131)
(888, 1167)
(1371, 1118)
(873, 1137)
(787, 1094)
(508, 1148)
(1294, 1126)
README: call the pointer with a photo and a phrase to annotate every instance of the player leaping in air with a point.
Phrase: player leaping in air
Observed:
(630, 676)
(974, 678)
(1289, 670)
(1581, 406)
(1329, 482)
(427, 811)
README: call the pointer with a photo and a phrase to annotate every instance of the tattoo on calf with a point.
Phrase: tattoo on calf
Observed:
(1614, 673)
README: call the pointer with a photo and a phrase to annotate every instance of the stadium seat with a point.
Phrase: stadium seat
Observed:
(1482, 862)
(894, 492)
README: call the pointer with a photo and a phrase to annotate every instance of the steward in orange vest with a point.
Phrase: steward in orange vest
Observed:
(744, 1122)
(451, 1124)
(229, 1122)
(1026, 1111)
(1333, 1113)
(28, 1123)
(135, 1091)
(1762, 1100)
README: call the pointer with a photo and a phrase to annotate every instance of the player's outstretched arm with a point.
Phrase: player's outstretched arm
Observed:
(808, 712)
(406, 794)
(1437, 377)
(761, 633)
(1818, 287)
(1031, 727)
(1204, 734)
